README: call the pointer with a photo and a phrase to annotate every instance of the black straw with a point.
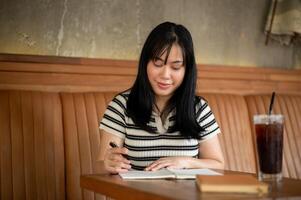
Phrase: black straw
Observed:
(271, 103)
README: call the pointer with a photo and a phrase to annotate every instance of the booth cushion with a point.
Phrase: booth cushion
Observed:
(236, 140)
(31, 146)
(81, 116)
(49, 139)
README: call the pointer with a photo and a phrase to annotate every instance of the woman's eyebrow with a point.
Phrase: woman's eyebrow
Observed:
(177, 61)
(173, 62)
(158, 58)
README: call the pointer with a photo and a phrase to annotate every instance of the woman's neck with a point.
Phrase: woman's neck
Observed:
(161, 106)
(161, 103)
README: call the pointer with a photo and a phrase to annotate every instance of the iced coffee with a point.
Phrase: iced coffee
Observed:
(269, 142)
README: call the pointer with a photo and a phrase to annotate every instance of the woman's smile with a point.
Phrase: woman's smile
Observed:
(164, 86)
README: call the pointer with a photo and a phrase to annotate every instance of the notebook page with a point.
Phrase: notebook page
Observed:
(163, 173)
(191, 173)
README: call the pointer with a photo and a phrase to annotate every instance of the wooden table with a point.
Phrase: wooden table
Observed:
(164, 189)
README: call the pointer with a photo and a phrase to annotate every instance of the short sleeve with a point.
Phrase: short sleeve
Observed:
(206, 120)
(113, 120)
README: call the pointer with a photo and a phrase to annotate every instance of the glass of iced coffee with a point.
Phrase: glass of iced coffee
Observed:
(269, 142)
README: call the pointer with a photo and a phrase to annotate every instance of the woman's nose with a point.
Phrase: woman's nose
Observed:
(165, 73)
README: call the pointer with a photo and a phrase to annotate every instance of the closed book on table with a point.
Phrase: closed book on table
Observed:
(231, 183)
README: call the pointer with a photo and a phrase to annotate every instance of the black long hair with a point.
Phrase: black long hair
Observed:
(142, 98)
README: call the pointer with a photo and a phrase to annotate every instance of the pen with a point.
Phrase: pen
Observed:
(113, 145)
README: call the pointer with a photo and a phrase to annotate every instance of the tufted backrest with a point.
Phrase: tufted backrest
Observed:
(83, 111)
(290, 107)
(232, 116)
(31, 146)
(81, 114)
(47, 140)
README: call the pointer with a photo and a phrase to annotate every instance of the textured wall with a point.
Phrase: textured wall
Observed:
(227, 32)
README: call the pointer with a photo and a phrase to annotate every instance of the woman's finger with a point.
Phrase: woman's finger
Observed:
(119, 150)
(160, 166)
(114, 170)
(119, 158)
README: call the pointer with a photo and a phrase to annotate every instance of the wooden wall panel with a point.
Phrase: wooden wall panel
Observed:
(47, 73)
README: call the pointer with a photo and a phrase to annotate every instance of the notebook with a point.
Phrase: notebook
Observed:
(167, 173)
(231, 183)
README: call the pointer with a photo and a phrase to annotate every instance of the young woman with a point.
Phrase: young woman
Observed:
(159, 122)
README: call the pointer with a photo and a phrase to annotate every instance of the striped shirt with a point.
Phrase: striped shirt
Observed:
(145, 147)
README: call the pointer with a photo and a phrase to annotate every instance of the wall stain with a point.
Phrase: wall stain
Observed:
(61, 31)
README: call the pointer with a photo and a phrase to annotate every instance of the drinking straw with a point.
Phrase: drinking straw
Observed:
(271, 103)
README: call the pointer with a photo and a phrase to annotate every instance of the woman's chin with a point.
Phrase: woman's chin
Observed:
(163, 93)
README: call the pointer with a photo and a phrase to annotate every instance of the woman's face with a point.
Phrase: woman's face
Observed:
(166, 78)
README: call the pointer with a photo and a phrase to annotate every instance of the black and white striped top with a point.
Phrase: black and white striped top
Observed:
(145, 147)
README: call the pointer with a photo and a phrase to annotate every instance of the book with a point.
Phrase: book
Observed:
(231, 183)
(167, 173)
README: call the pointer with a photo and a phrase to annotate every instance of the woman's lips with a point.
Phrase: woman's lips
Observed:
(163, 86)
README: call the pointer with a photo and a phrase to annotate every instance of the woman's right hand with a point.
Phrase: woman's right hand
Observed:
(115, 162)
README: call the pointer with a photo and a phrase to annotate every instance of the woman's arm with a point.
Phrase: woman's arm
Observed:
(210, 156)
(114, 161)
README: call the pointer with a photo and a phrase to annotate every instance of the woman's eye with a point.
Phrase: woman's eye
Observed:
(158, 63)
(176, 67)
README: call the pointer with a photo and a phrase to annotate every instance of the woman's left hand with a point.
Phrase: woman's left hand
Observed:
(168, 162)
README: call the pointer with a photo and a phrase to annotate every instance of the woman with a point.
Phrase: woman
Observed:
(159, 122)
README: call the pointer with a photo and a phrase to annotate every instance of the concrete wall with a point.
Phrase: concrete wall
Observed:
(227, 32)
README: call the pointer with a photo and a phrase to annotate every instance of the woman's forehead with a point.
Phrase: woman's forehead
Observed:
(172, 52)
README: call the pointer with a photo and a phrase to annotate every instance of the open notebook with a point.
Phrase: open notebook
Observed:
(167, 173)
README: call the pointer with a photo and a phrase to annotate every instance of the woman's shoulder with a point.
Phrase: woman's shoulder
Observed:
(125, 94)
(200, 101)
(121, 97)
(202, 107)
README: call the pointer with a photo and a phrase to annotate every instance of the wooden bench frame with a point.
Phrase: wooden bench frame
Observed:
(74, 85)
